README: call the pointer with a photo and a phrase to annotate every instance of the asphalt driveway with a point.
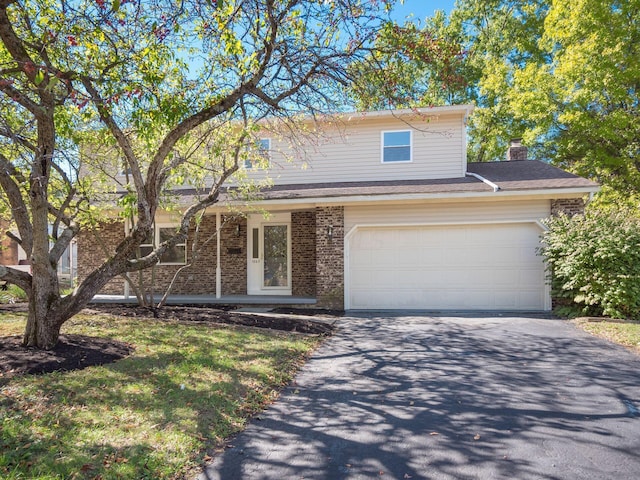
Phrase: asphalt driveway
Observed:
(428, 397)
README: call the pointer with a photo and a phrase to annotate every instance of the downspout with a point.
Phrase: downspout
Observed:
(495, 187)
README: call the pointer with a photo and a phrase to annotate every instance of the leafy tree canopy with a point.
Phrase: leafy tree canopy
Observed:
(564, 76)
(149, 87)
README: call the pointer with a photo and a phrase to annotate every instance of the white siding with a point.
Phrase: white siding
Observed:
(471, 255)
(468, 267)
(351, 152)
(447, 213)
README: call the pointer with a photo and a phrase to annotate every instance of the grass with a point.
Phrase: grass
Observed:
(12, 294)
(155, 414)
(623, 332)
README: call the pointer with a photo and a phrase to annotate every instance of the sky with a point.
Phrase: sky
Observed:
(420, 8)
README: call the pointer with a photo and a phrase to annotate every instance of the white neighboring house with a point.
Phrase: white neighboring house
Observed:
(383, 213)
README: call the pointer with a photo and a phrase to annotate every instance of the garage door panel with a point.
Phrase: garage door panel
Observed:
(530, 277)
(447, 267)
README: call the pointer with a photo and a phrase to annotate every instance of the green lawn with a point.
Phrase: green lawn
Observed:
(623, 332)
(155, 414)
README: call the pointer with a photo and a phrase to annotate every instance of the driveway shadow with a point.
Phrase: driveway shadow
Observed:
(464, 397)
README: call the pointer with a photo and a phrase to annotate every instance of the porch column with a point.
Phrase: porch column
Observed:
(330, 257)
(218, 268)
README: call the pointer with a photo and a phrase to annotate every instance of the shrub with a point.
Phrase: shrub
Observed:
(594, 263)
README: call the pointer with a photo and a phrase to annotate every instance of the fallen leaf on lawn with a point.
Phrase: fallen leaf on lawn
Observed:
(477, 436)
(207, 458)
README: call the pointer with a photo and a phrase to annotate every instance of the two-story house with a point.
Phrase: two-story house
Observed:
(384, 213)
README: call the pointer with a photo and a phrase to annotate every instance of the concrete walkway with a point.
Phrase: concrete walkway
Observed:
(421, 397)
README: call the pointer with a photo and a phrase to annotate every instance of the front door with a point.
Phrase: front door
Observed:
(269, 254)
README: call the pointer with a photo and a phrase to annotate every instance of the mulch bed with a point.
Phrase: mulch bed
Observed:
(226, 316)
(75, 352)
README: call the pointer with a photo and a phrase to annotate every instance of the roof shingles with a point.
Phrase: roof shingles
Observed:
(509, 176)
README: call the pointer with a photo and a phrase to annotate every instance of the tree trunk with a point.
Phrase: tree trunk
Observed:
(43, 330)
(45, 318)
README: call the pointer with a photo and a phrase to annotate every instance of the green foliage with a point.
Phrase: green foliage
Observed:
(594, 260)
(581, 96)
(415, 66)
(102, 97)
(12, 294)
(563, 76)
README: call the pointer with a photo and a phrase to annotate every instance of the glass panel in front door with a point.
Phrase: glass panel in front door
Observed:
(276, 265)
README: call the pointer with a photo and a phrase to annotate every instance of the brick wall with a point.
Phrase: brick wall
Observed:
(568, 206)
(8, 248)
(8, 252)
(330, 257)
(198, 279)
(303, 254)
(93, 248)
(233, 249)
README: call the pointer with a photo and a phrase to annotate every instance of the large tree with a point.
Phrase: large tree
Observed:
(564, 76)
(468, 56)
(148, 81)
(582, 103)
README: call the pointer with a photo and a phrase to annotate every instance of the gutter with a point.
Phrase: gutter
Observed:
(495, 187)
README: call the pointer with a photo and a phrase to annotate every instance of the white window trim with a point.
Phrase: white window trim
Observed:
(251, 166)
(382, 146)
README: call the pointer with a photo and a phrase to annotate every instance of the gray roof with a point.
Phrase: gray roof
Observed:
(509, 176)
(528, 175)
(521, 175)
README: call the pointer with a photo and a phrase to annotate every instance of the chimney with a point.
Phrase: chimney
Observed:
(516, 150)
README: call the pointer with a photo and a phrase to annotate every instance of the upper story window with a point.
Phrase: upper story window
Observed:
(263, 147)
(176, 255)
(396, 146)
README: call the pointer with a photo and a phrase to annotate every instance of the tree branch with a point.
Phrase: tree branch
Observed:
(14, 195)
(16, 277)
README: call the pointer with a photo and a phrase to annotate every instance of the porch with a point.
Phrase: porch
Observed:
(234, 300)
(291, 257)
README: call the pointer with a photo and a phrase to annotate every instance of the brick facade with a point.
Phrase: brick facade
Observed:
(303, 254)
(93, 248)
(198, 279)
(233, 247)
(330, 257)
(317, 262)
(568, 206)
(8, 247)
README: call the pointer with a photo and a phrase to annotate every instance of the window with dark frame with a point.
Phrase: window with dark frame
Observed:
(176, 255)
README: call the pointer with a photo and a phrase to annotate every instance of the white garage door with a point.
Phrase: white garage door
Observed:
(493, 267)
